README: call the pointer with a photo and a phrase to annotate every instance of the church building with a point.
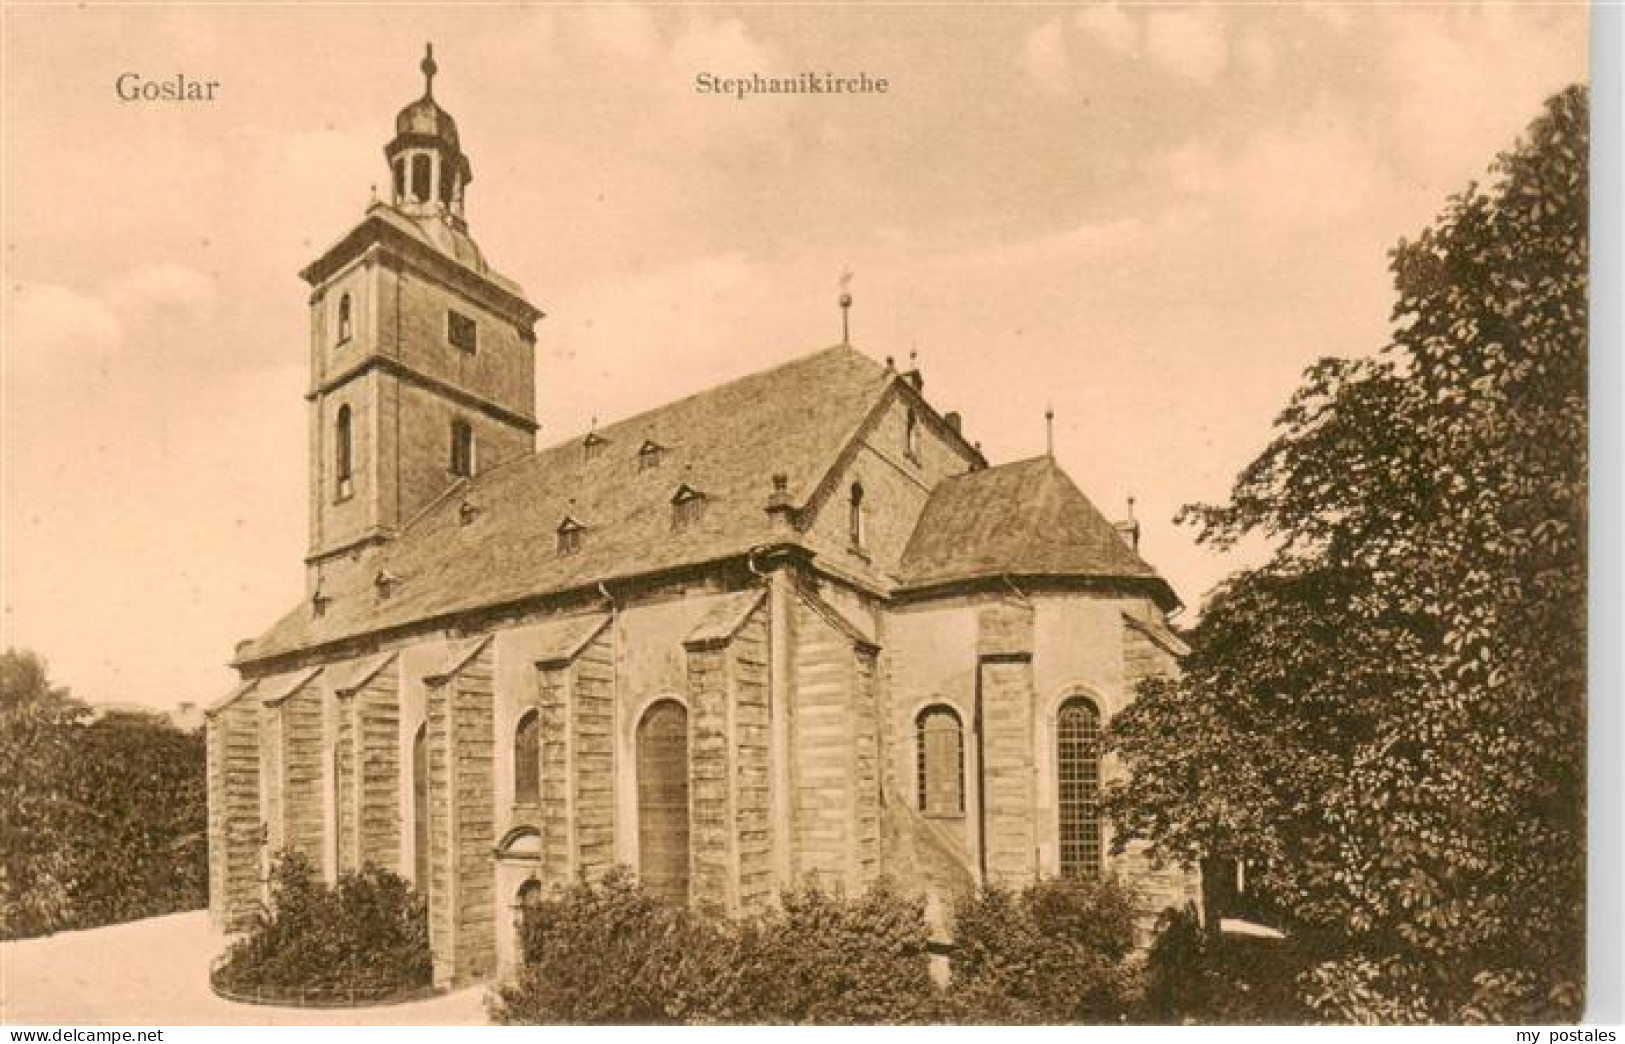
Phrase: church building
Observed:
(793, 627)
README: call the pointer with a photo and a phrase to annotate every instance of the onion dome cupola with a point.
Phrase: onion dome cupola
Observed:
(428, 169)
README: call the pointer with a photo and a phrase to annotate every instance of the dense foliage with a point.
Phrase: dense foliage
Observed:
(1194, 974)
(1052, 953)
(100, 821)
(607, 952)
(1390, 712)
(366, 936)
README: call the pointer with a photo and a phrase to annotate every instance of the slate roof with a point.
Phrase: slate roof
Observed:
(727, 443)
(1026, 519)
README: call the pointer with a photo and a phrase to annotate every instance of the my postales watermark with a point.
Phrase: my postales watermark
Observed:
(805, 83)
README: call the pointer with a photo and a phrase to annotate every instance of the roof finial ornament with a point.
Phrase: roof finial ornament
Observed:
(846, 309)
(1049, 431)
(429, 69)
(1131, 509)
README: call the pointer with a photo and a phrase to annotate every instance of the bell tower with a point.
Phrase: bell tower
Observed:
(422, 356)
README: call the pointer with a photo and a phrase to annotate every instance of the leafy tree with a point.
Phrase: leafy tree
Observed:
(99, 821)
(1386, 720)
(37, 869)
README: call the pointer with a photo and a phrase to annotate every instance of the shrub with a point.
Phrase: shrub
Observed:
(367, 935)
(599, 953)
(607, 952)
(101, 821)
(1193, 975)
(825, 960)
(1055, 952)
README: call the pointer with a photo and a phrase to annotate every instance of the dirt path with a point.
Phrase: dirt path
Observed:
(155, 972)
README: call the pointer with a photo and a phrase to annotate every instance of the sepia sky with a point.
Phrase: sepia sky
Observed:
(1151, 217)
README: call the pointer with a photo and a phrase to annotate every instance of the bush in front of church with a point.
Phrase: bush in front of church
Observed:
(364, 938)
(609, 953)
(1058, 951)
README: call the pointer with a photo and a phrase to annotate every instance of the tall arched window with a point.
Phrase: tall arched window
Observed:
(854, 515)
(662, 757)
(911, 436)
(462, 449)
(527, 759)
(941, 762)
(420, 809)
(343, 452)
(344, 323)
(1077, 764)
(338, 813)
(400, 180)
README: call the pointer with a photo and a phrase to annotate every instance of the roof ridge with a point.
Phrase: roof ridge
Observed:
(707, 392)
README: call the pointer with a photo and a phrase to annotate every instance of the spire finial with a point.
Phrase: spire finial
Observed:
(846, 309)
(1131, 509)
(1049, 431)
(429, 69)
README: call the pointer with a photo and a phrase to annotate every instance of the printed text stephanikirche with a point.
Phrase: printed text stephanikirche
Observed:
(742, 87)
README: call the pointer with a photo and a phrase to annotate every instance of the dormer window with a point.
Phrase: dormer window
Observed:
(344, 323)
(462, 449)
(649, 455)
(467, 512)
(385, 582)
(461, 332)
(592, 445)
(911, 436)
(343, 455)
(854, 517)
(570, 535)
(319, 602)
(687, 508)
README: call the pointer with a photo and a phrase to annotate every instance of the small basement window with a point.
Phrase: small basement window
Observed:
(461, 332)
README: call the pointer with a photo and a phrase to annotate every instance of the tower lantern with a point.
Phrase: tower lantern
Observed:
(428, 168)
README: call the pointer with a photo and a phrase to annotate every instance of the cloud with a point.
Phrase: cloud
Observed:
(1110, 25)
(618, 30)
(166, 286)
(1189, 42)
(1301, 178)
(57, 331)
(1043, 57)
(44, 320)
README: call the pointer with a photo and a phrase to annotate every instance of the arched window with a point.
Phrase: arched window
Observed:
(420, 809)
(343, 452)
(662, 759)
(854, 516)
(911, 436)
(400, 180)
(1077, 763)
(338, 812)
(941, 762)
(344, 319)
(421, 178)
(527, 759)
(462, 448)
